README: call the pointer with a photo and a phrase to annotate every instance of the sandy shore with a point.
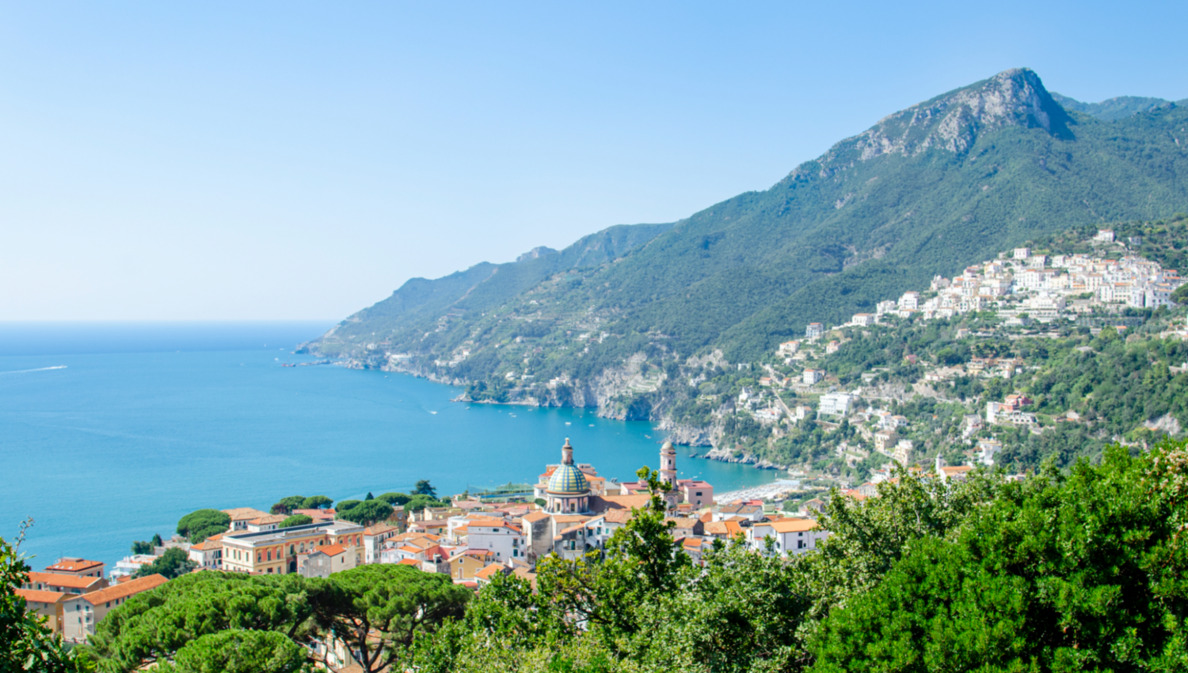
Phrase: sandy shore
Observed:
(773, 491)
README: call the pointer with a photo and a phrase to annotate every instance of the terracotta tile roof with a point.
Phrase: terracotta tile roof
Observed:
(618, 515)
(62, 580)
(723, 528)
(331, 549)
(692, 542)
(317, 513)
(379, 528)
(607, 502)
(535, 516)
(129, 588)
(490, 571)
(793, 525)
(73, 565)
(244, 513)
(38, 596)
(409, 562)
(271, 518)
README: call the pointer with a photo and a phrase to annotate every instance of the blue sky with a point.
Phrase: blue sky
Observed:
(269, 160)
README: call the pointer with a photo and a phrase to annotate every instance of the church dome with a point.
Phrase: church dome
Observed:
(568, 480)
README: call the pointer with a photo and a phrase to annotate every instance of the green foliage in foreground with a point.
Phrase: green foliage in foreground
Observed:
(239, 651)
(26, 643)
(1084, 570)
(185, 619)
(201, 524)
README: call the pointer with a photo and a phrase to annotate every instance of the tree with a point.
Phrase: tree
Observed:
(317, 502)
(296, 520)
(142, 547)
(424, 488)
(378, 610)
(287, 505)
(157, 542)
(175, 562)
(369, 496)
(395, 498)
(367, 512)
(1084, 571)
(153, 626)
(239, 651)
(201, 524)
(26, 643)
(420, 502)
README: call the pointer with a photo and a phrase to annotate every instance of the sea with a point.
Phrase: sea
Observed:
(111, 432)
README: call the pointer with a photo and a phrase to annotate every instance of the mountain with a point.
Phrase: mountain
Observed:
(925, 191)
(1113, 109)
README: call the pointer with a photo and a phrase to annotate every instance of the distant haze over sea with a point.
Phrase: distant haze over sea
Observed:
(113, 431)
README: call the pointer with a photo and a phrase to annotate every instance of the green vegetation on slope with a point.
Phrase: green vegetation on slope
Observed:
(927, 191)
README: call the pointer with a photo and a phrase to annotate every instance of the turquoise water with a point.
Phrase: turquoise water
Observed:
(112, 432)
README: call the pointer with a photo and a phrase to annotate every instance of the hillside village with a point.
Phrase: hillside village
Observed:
(1019, 295)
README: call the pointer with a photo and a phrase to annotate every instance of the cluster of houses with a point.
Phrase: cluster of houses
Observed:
(1022, 286)
(1041, 286)
(575, 511)
(73, 595)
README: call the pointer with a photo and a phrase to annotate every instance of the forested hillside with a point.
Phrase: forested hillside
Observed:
(928, 190)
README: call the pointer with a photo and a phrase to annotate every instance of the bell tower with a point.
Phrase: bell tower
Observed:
(668, 474)
(668, 471)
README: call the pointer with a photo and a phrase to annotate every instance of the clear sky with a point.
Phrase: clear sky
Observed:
(288, 160)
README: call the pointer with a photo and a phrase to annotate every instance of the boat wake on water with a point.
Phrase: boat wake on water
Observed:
(29, 371)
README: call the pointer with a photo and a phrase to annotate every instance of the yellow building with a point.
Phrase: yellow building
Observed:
(275, 552)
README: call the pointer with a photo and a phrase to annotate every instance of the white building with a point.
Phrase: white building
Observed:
(835, 404)
(790, 536)
(503, 539)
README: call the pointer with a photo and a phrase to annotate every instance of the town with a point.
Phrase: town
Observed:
(572, 512)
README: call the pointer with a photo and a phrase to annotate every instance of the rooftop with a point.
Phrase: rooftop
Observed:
(74, 565)
(271, 536)
(124, 589)
(62, 580)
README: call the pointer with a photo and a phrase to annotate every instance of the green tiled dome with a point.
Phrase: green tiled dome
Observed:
(568, 480)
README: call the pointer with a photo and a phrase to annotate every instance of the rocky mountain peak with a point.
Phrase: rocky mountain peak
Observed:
(536, 253)
(953, 121)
